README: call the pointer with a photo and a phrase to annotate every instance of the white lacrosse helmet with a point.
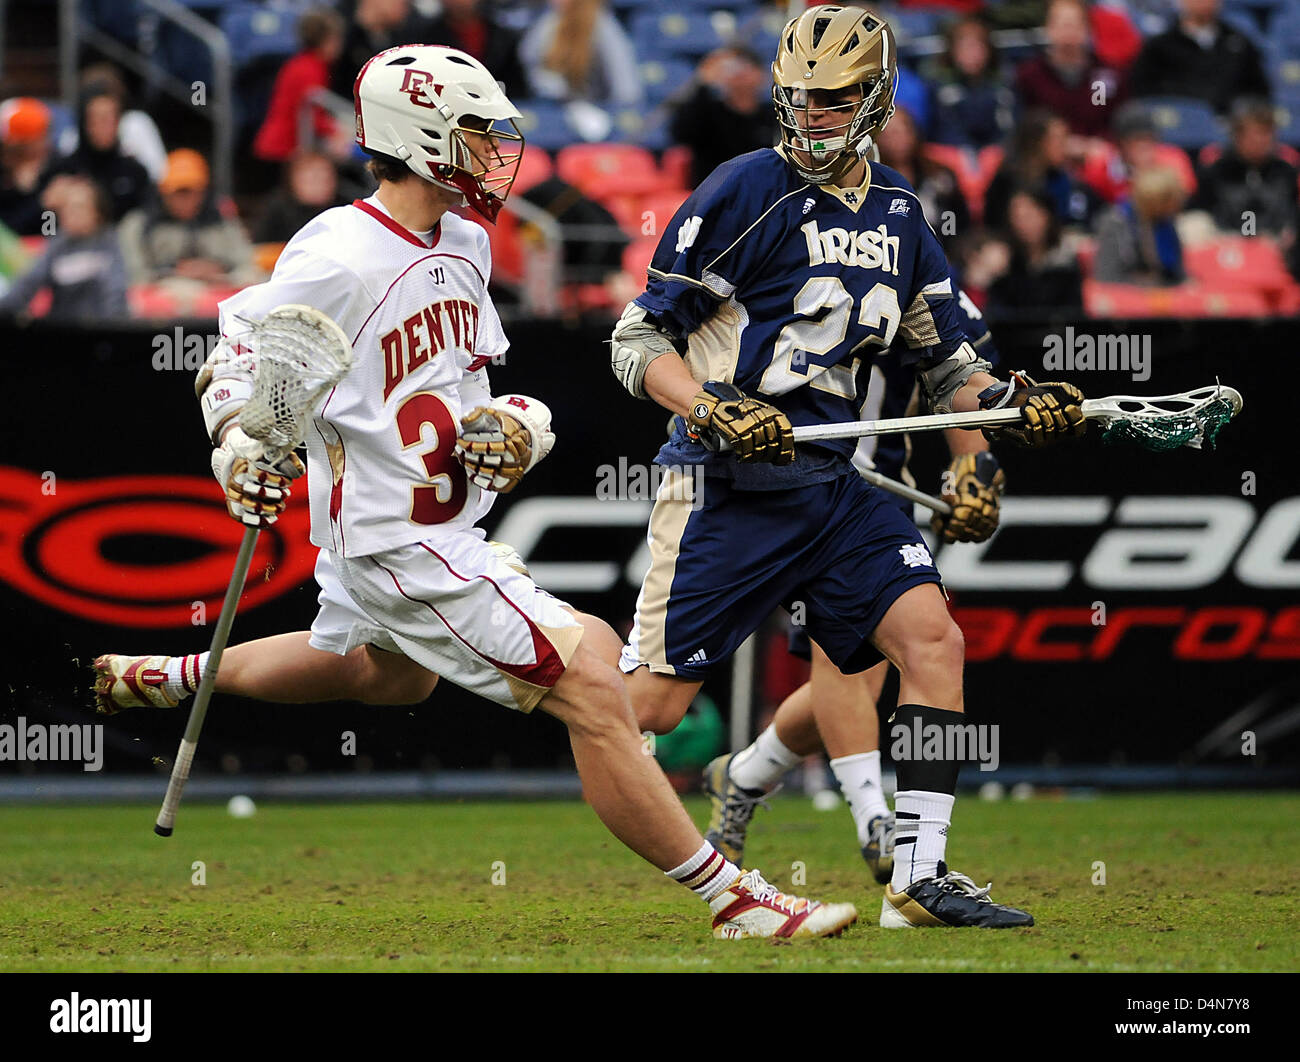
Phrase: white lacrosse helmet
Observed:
(413, 102)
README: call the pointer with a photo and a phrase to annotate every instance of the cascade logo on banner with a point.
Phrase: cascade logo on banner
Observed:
(84, 547)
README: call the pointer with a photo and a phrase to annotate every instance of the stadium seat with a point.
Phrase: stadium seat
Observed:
(256, 32)
(1188, 123)
(1185, 300)
(535, 167)
(661, 206)
(974, 171)
(544, 124)
(1240, 263)
(664, 77)
(604, 170)
(686, 33)
(676, 166)
(637, 255)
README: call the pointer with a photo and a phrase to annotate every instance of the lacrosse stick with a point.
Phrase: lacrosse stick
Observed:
(298, 354)
(904, 491)
(1160, 422)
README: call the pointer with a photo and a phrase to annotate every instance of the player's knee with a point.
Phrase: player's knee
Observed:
(936, 650)
(389, 679)
(595, 699)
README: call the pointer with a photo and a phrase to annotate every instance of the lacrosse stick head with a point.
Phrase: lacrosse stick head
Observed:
(298, 354)
(1168, 422)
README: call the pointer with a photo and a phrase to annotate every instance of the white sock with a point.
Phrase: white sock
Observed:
(923, 821)
(706, 873)
(859, 778)
(184, 674)
(764, 763)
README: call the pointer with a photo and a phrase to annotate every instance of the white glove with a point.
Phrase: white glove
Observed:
(501, 441)
(256, 492)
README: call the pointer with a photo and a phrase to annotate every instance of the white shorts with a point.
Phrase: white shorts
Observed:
(451, 605)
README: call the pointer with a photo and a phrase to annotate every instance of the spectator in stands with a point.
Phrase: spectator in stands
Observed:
(137, 131)
(593, 242)
(1250, 189)
(728, 114)
(1066, 77)
(465, 25)
(1109, 170)
(25, 164)
(1038, 160)
(82, 263)
(184, 234)
(1137, 242)
(973, 107)
(901, 149)
(99, 153)
(311, 185)
(578, 50)
(373, 25)
(320, 32)
(1200, 56)
(1043, 269)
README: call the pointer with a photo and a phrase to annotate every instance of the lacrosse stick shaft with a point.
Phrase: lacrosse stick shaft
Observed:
(859, 429)
(904, 491)
(185, 756)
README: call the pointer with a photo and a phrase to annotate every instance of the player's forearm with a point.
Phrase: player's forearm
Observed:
(968, 397)
(963, 441)
(670, 383)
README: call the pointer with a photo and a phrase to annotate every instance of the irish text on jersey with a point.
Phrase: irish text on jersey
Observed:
(870, 249)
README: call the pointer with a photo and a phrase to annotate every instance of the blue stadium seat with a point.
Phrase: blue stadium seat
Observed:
(673, 34)
(1284, 34)
(1188, 123)
(664, 77)
(544, 124)
(911, 23)
(628, 7)
(1244, 20)
(117, 18)
(257, 32)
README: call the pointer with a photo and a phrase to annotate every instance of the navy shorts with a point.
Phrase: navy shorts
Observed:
(798, 642)
(836, 554)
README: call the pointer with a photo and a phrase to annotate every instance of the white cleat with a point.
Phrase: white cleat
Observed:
(751, 907)
(131, 682)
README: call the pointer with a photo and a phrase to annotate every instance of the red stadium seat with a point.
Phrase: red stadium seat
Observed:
(1184, 300)
(661, 206)
(1241, 264)
(149, 300)
(637, 255)
(535, 167)
(676, 166)
(603, 170)
(974, 171)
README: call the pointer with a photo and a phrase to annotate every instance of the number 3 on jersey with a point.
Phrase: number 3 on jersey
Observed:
(443, 496)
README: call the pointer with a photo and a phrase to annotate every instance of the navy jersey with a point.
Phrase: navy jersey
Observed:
(790, 291)
(893, 393)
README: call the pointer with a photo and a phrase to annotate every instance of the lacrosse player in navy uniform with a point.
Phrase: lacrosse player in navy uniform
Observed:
(774, 289)
(834, 712)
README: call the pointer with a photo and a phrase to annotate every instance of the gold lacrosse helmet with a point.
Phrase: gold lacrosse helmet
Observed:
(828, 48)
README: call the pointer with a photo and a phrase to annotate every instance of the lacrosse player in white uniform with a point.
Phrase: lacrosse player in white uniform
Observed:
(406, 455)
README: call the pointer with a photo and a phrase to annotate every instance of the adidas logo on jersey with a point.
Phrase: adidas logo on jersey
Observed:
(872, 249)
(697, 657)
(900, 206)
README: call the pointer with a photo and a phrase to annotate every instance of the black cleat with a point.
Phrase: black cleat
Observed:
(949, 900)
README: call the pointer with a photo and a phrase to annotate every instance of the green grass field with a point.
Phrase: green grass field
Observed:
(1193, 882)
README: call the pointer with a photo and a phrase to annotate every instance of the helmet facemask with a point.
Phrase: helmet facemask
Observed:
(486, 162)
(823, 151)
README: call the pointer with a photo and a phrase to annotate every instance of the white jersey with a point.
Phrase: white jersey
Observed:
(381, 470)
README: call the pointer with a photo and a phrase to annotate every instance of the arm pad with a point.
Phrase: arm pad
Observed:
(224, 384)
(941, 382)
(636, 342)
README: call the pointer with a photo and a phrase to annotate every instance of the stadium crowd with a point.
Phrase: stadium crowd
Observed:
(1126, 158)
